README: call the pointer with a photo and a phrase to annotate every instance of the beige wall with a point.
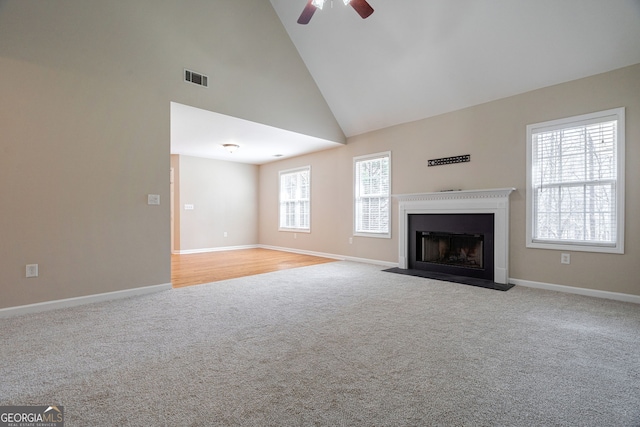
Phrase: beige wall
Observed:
(85, 94)
(225, 200)
(331, 206)
(494, 135)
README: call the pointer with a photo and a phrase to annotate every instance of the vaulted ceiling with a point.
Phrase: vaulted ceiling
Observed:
(413, 59)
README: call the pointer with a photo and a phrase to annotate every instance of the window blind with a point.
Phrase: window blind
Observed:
(574, 178)
(295, 199)
(372, 194)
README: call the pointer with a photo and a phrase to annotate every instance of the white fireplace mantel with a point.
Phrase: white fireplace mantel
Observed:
(495, 201)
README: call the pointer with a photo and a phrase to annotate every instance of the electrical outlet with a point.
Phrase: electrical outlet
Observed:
(565, 258)
(351, 240)
(32, 270)
(224, 234)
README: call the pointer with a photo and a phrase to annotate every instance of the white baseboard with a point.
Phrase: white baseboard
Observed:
(387, 264)
(332, 256)
(87, 299)
(579, 291)
(219, 249)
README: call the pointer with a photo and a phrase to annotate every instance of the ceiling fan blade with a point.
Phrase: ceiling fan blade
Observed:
(307, 13)
(363, 8)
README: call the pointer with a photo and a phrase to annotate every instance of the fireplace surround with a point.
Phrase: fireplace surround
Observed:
(493, 201)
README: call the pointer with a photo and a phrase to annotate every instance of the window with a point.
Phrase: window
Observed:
(295, 199)
(575, 183)
(372, 178)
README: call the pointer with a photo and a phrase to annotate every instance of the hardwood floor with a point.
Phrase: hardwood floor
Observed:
(195, 269)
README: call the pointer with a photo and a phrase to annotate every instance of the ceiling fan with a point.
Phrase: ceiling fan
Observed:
(361, 6)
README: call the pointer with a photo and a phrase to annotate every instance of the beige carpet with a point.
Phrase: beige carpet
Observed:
(338, 344)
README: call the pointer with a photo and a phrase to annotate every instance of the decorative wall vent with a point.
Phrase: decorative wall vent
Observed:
(196, 78)
(449, 160)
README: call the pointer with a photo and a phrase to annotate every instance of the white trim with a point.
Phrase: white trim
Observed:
(371, 261)
(375, 235)
(87, 299)
(579, 291)
(332, 256)
(218, 249)
(295, 230)
(617, 114)
(357, 159)
(286, 172)
(495, 201)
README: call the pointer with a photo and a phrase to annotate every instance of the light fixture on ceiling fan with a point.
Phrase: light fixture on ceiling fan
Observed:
(361, 6)
(320, 3)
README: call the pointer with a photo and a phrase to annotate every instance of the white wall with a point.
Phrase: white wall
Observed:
(224, 197)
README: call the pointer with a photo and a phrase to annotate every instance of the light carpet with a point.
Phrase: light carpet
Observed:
(338, 344)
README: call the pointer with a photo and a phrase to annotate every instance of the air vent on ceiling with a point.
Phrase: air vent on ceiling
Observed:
(196, 78)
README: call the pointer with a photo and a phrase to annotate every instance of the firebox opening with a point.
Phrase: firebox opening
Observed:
(460, 244)
(453, 249)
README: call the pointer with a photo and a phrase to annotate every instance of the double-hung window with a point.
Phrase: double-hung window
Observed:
(295, 199)
(575, 183)
(372, 194)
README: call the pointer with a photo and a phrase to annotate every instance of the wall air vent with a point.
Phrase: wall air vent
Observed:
(196, 78)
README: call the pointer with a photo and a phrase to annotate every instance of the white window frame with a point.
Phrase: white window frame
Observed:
(356, 160)
(298, 228)
(616, 247)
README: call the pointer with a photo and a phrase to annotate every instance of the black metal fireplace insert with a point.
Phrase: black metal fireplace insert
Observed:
(455, 244)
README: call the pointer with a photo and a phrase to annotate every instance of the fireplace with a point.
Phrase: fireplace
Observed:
(469, 228)
(452, 249)
(460, 244)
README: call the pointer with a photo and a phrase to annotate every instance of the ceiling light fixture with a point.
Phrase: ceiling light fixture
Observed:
(363, 8)
(231, 147)
(320, 3)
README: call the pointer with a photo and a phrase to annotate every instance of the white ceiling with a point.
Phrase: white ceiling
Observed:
(201, 133)
(414, 59)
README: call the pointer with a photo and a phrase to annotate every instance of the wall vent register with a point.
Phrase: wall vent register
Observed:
(196, 78)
